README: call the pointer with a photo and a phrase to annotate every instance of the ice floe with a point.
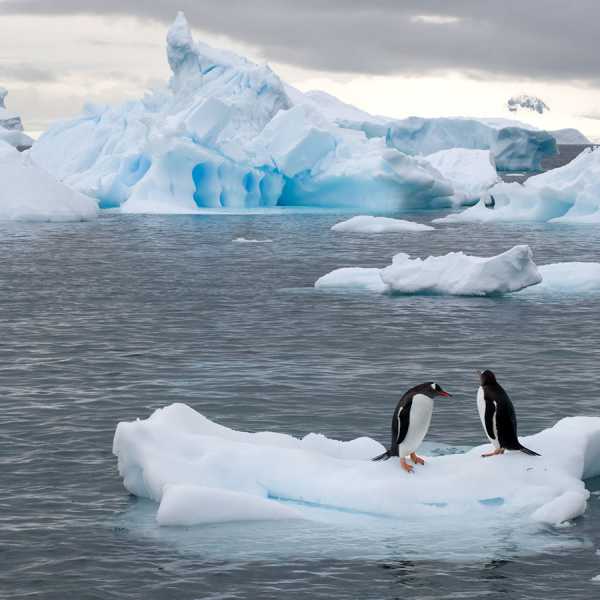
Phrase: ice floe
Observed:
(455, 273)
(200, 472)
(370, 224)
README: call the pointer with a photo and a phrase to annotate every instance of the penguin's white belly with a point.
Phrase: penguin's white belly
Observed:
(481, 409)
(420, 418)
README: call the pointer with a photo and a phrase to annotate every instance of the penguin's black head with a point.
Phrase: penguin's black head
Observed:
(435, 390)
(487, 377)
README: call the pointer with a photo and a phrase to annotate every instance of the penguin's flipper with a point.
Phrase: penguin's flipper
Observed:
(528, 451)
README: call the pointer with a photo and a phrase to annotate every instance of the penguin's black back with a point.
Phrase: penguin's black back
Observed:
(506, 419)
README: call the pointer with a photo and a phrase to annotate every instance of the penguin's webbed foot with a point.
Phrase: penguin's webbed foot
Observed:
(416, 459)
(493, 453)
(408, 468)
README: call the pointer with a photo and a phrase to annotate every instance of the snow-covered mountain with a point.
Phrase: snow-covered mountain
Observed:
(570, 136)
(527, 102)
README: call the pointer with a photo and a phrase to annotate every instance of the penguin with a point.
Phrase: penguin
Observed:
(410, 423)
(497, 415)
(489, 201)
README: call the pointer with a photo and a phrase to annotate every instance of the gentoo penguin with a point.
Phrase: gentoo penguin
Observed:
(497, 415)
(410, 423)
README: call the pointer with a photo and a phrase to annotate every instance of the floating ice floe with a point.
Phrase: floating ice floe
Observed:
(28, 193)
(568, 277)
(243, 240)
(228, 133)
(11, 127)
(200, 472)
(370, 224)
(455, 273)
(568, 194)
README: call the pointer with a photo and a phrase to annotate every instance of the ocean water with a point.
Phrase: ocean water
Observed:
(106, 321)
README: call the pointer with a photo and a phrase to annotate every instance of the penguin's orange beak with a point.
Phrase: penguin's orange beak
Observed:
(445, 394)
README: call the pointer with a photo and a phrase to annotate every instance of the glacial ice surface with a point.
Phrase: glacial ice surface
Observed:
(568, 194)
(455, 273)
(229, 134)
(371, 224)
(201, 472)
(28, 193)
(11, 127)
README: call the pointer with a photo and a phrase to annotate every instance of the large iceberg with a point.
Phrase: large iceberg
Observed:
(201, 472)
(28, 193)
(228, 133)
(11, 127)
(568, 194)
(513, 148)
(455, 273)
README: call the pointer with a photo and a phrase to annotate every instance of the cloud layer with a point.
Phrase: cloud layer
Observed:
(545, 39)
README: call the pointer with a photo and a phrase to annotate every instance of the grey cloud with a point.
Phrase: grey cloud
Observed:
(26, 73)
(544, 39)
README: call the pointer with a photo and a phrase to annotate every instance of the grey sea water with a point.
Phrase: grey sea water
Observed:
(108, 320)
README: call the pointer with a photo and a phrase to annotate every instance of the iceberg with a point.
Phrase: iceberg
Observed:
(456, 274)
(230, 134)
(568, 194)
(513, 148)
(11, 127)
(570, 136)
(471, 172)
(200, 472)
(28, 193)
(370, 224)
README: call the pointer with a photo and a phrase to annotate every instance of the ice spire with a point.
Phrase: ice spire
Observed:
(181, 52)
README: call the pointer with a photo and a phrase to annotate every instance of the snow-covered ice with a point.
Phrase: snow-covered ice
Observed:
(569, 136)
(455, 273)
(228, 133)
(28, 193)
(11, 127)
(201, 472)
(568, 277)
(370, 224)
(568, 194)
(513, 148)
(471, 172)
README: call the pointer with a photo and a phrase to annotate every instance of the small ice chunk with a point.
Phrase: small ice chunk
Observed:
(370, 224)
(243, 240)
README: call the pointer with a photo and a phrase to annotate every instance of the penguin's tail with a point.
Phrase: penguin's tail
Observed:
(528, 451)
(387, 454)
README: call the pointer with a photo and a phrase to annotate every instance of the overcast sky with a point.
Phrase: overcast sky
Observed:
(394, 57)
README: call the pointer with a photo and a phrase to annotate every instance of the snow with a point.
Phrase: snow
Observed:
(230, 134)
(568, 194)
(11, 127)
(200, 472)
(370, 224)
(471, 172)
(28, 193)
(456, 274)
(528, 102)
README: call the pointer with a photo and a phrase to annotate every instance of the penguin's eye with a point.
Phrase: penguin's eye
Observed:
(434, 387)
